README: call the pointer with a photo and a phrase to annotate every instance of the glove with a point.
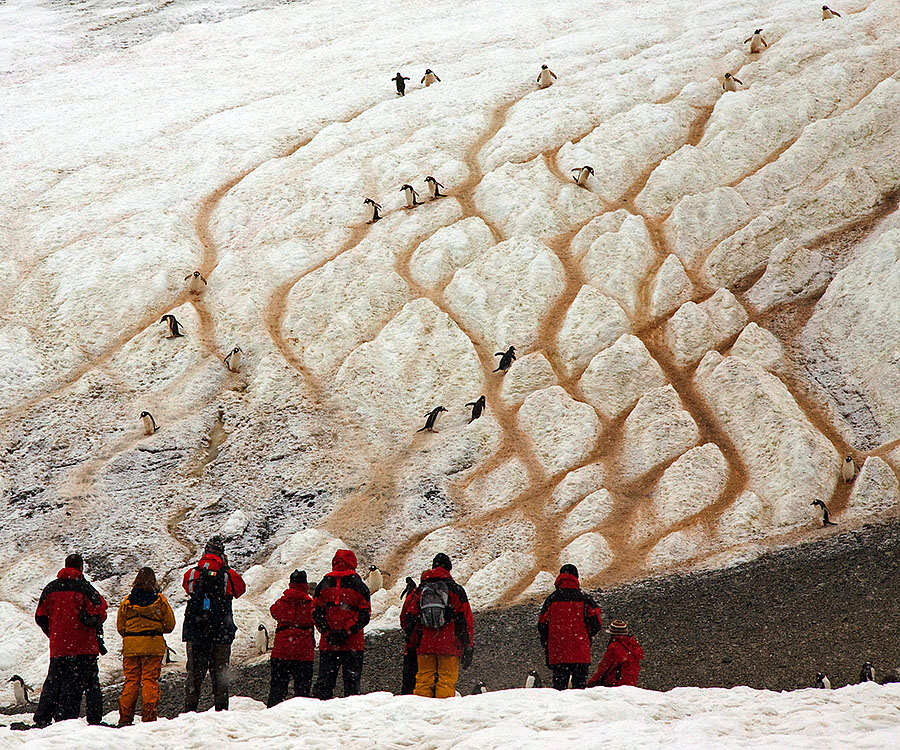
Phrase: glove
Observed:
(466, 660)
(337, 638)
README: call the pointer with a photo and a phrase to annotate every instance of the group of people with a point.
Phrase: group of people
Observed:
(436, 619)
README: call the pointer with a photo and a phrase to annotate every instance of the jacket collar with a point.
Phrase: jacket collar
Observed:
(567, 581)
(435, 574)
(297, 590)
(66, 573)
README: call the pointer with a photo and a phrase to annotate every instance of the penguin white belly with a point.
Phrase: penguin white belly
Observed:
(826, 14)
(19, 693)
(848, 470)
(148, 425)
(262, 642)
(756, 45)
(583, 177)
(410, 197)
(529, 683)
(234, 362)
(730, 85)
(429, 79)
(545, 79)
(375, 581)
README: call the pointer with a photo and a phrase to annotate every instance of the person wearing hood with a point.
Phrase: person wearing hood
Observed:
(341, 611)
(568, 621)
(71, 613)
(209, 628)
(621, 663)
(295, 642)
(440, 614)
(412, 630)
(144, 618)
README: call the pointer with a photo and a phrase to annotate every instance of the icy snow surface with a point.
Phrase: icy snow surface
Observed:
(703, 330)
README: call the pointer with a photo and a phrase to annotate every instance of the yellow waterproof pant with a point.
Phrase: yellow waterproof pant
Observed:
(437, 676)
(141, 676)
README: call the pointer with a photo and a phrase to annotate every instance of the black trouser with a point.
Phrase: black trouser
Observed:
(68, 678)
(283, 670)
(410, 670)
(330, 663)
(562, 672)
(203, 658)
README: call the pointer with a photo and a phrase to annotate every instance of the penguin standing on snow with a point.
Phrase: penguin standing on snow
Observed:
(431, 417)
(429, 77)
(479, 688)
(411, 195)
(410, 587)
(149, 423)
(848, 470)
(533, 680)
(822, 681)
(375, 580)
(506, 359)
(233, 360)
(375, 209)
(434, 188)
(826, 521)
(583, 174)
(20, 690)
(477, 408)
(757, 43)
(262, 639)
(545, 77)
(400, 80)
(730, 83)
(867, 673)
(828, 13)
(174, 326)
(196, 282)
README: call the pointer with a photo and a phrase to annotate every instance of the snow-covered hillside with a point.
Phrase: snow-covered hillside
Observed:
(703, 331)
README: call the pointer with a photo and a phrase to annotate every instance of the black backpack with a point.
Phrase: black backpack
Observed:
(434, 604)
(208, 598)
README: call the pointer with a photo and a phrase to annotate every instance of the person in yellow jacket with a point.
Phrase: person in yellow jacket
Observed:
(144, 617)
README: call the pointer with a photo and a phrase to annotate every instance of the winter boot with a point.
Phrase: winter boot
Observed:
(148, 712)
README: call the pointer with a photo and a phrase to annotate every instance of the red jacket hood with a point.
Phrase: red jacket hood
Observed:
(297, 591)
(343, 559)
(631, 645)
(70, 573)
(567, 581)
(214, 561)
(436, 573)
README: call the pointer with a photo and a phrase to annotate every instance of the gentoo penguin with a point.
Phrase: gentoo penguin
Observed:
(730, 83)
(822, 681)
(262, 638)
(477, 408)
(233, 359)
(429, 77)
(196, 282)
(533, 680)
(149, 423)
(545, 77)
(170, 655)
(434, 188)
(506, 359)
(826, 521)
(410, 587)
(375, 209)
(867, 673)
(411, 195)
(583, 174)
(20, 690)
(174, 326)
(829, 13)
(400, 80)
(757, 43)
(848, 470)
(479, 688)
(375, 580)
(431, 417)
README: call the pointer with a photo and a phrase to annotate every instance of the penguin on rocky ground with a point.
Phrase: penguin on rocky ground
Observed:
(411, 195)
(826, 520)
(848, 470)
(408, 589)
(730, 83)
(506, 359)
(828, 13)
(822, 681)
(545, 77)
(429, 77)
(434, 188)
(479, 688)
(233, 360)
(867, 673)
(400, 80)
(149, 423)
(262, 638)
(376, 207)
(173, 325)
(431, 417)
(583, 174)
(533, 680)
(757, 43)
(196, 282)
(477, 408)
(20, 690)
(375, 579)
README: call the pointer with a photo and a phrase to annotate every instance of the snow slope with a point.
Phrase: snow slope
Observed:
(702, 333)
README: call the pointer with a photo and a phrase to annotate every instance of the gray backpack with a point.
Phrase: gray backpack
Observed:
(434, 604)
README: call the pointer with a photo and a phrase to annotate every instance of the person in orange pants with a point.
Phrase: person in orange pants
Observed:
(144, 617)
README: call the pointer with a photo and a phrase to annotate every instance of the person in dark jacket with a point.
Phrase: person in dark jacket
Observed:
(446, 630)
(410, 658)
(621, 663)
(568, 621)
(209, 628)
(341, 611)
(71, 613)
(295, 642)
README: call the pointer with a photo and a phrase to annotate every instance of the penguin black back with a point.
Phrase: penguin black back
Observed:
(477, 408)
(506, 359)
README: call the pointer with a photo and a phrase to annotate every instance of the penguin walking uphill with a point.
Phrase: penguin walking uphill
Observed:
(731, 83)
(848, 469)
(826, 521)
(375, 578)
(506, 359)
(828, 13)
(412, 197)
(477, 408)
(429, 77)
(431, 418)
(233, 360)
(20, 690)
(434, 188)
(545, 77)
(583, 173)
(757, 43)
(196, 284)
(376, 207)
(400, 80)
(173, 325)
(148, 422)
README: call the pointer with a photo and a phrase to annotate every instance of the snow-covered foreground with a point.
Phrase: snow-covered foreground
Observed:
(860, 716)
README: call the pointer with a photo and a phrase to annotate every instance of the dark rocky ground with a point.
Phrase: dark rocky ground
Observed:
(771, 623)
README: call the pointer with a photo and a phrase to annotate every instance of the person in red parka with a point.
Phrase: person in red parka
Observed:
(621, 663)
(568, 621)
(341, 611)
(295, 642)
(439, 612)
(71, 613)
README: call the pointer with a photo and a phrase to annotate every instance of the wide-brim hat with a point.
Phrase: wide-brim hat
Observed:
(618, 627)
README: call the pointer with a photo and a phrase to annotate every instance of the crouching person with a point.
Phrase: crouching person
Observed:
(144, 617)
(621, 663)
(295, 643)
